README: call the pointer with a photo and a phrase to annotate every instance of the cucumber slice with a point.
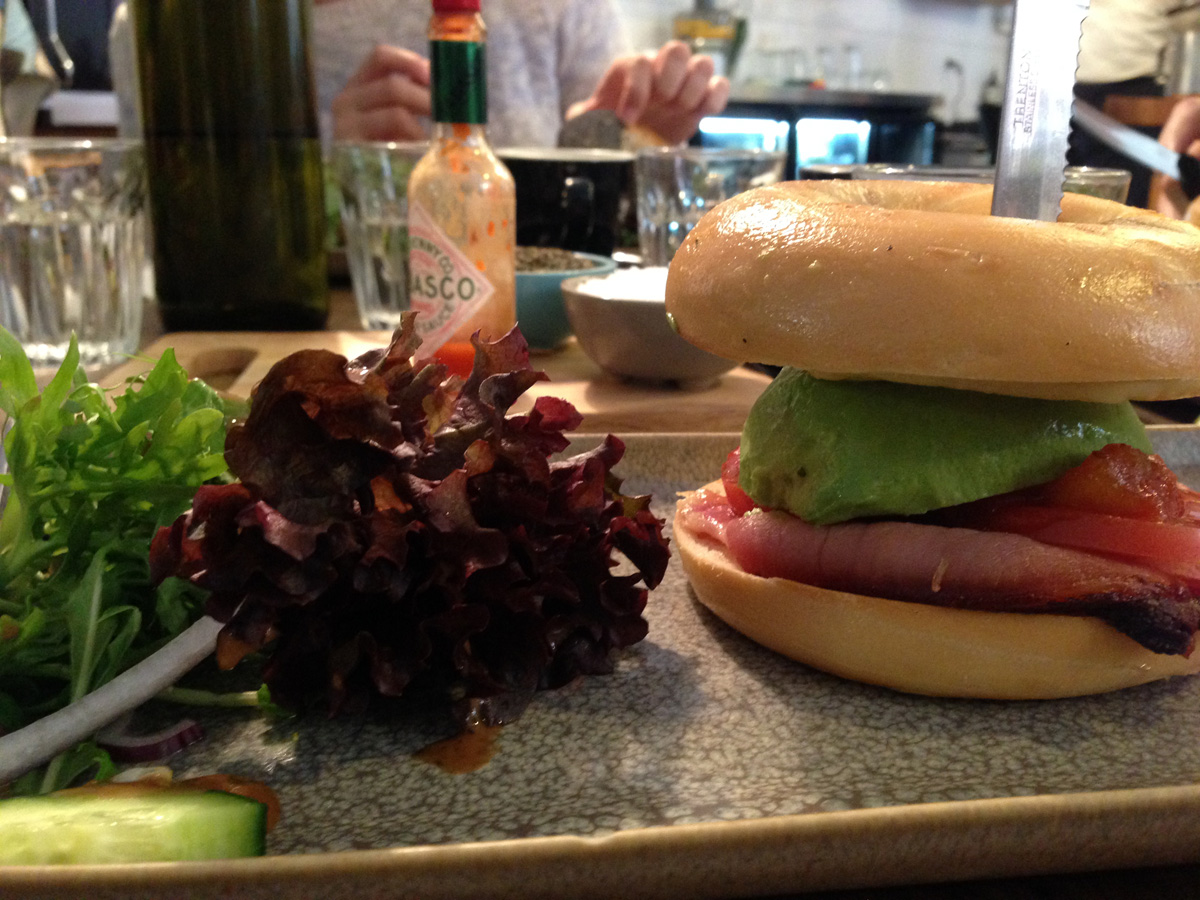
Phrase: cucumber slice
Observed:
(150, 826)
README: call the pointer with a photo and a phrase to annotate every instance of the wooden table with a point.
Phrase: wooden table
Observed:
(236, 361)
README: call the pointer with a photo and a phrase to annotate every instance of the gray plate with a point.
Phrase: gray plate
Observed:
(708, 765)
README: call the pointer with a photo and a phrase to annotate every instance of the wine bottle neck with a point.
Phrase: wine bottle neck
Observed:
(459, 74)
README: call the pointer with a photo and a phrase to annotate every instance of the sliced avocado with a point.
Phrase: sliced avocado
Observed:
(829, 451)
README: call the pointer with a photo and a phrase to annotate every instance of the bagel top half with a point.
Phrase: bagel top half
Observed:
(915, 282)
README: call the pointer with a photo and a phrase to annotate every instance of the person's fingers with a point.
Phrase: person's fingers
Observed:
(1183, 124)
(388, 108)
(635, 94)
(717, 97)
(670, 70)
(1194, 148)
(667, 92)
(386, 60)
(386, 124)
(1171, 200)
(391, 90)
(607, 94)
(695, 86)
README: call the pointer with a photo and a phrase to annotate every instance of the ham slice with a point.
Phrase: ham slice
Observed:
(957, 567)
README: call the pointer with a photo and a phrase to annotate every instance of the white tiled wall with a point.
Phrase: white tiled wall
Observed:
(917, 46)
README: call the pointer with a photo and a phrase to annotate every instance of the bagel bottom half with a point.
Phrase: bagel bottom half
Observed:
(915, 647)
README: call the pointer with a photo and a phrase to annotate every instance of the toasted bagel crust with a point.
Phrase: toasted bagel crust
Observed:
(917, 648)
(916, 282)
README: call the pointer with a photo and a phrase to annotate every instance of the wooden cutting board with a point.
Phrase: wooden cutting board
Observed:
(236, 361)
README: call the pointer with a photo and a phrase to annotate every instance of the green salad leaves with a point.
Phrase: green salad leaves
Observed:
(92, 474)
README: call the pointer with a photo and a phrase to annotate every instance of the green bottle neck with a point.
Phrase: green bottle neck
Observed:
(459, 73)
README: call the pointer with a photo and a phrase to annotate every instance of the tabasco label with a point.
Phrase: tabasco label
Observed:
(444, 287)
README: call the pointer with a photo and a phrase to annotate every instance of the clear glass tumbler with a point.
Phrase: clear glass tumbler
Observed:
(676, 186)
(372, 185)
(1108, 184)
(72, 247)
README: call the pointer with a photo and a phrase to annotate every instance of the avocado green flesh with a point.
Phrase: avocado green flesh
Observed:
(829, 451)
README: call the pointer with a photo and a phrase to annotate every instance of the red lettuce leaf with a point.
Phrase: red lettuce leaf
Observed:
(394, 527)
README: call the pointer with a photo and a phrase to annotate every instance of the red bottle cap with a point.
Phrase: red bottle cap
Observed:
(455, 6)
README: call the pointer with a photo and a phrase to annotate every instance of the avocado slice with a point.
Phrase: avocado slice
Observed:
(829, 451)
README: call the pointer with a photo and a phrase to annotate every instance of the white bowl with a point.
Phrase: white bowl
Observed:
(620, 321)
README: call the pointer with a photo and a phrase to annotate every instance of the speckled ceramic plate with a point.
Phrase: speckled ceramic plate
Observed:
(705, 766)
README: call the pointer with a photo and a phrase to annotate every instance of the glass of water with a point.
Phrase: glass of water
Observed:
(1108, 184)
(72, 247)
(372, 182)
(676, 186)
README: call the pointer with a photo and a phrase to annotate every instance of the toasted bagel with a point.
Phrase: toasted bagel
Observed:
(915, 282)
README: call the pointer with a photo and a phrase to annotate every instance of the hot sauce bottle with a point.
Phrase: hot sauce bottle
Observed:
(461, 201)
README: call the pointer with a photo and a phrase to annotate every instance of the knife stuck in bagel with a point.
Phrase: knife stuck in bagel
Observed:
(946, 489)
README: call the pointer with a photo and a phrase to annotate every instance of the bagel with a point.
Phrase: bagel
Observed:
(914, 282)
(956, 388)
(914, 647)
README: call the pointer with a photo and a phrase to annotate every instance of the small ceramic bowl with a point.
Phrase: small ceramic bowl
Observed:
(540, 312)
(621, 323)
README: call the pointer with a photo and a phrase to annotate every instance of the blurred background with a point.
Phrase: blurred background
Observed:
(830, 82)
(881, 102)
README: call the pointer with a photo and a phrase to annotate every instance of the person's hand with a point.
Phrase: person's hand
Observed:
(1181, 133)
(667, 92)
(385, 99)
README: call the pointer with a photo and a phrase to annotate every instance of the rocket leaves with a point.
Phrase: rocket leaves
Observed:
(92, 474)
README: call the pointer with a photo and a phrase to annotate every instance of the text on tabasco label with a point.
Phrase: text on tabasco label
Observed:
(444, 286)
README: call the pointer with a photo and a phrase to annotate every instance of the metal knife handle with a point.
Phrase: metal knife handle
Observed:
(1036, 115)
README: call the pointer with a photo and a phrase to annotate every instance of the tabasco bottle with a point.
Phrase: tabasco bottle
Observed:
(461, 201)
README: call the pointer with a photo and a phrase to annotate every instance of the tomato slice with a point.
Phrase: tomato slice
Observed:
(1169, 546)
(738, 499)
(1119, 480)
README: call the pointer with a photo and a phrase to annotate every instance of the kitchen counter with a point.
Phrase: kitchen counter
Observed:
(826, 99)
(902, 125)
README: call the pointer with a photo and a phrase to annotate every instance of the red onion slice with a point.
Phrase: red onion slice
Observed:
(41, 740)
(123, 746)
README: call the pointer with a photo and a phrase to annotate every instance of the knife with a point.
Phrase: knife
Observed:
(1140, 147)
(1035, 118)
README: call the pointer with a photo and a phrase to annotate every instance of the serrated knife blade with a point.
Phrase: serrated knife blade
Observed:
(1035, 118)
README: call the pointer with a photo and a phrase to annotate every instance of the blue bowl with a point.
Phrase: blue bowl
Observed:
(540, 311)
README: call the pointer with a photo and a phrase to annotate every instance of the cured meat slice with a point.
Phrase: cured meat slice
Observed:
(957, 567)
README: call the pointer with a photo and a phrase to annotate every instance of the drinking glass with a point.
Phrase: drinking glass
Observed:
(72, 246)
(1108, 184)
(372, 184)
(677, 185)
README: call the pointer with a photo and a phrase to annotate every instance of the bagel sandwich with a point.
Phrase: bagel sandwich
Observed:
(946, 489)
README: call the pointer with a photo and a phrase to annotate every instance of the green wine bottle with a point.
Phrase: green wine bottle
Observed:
(233, 159)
